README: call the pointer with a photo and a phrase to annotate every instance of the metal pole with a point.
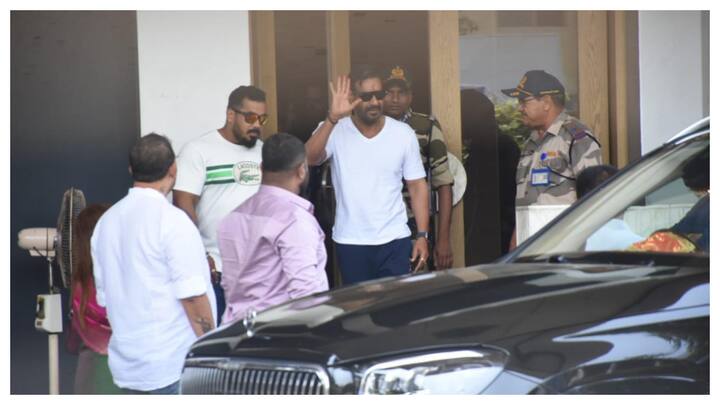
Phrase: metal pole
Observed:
(50, 274)
(53, 364)
(53, 346)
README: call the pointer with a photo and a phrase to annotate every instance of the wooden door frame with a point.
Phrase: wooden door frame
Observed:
(337, 30)
(593, 75)
(263, 67)
(444, 53)
(607, 87)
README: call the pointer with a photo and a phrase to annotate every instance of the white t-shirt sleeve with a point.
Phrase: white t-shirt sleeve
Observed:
(185, 256)
(190, 170)
(330, 145)
(412, 163)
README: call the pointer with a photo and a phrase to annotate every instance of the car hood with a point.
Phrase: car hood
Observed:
(450, 308)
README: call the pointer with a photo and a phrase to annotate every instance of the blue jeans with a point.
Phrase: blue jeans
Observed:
(368, 262)
(172, 389)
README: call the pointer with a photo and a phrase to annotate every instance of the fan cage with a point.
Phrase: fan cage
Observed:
(72, 203)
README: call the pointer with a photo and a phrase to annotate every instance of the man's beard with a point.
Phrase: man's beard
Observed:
(365, 117)
(250, 142)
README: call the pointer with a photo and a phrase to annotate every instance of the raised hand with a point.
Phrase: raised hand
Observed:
(340, 105)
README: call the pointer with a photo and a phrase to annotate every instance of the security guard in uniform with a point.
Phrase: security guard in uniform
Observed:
(559, 147)
(396, 104)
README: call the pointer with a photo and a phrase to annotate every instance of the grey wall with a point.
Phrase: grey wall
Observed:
(74, 115)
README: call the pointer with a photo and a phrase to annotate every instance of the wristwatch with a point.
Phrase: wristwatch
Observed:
(421, 234)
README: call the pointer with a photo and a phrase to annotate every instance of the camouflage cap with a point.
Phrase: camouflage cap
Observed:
(397, 76)
(536, 83)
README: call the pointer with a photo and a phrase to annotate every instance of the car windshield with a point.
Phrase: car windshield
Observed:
(661, 204)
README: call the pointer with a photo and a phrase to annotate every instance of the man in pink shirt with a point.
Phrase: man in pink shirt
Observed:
(271, 246)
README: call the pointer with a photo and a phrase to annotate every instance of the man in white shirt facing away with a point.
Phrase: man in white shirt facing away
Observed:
(151, 275)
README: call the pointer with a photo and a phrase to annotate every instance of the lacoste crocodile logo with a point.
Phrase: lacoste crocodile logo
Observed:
(247, 173)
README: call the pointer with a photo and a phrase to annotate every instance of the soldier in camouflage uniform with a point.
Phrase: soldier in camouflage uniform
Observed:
(432, 144)
(559, 147)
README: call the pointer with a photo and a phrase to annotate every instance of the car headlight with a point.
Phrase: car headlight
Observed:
(452, 372)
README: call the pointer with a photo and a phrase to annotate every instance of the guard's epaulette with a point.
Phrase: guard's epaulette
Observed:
(577, 129)
(435, 121)
(421, 123)
(428, 116)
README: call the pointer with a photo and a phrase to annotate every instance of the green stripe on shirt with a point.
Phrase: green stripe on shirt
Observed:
(210, 168)
(218, 174)
(221, 181)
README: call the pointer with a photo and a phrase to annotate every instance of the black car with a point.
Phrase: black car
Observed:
(611, 297)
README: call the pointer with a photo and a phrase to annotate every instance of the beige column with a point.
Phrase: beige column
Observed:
(444, 41)
(617, 58)
(337, 29)
(338, 43)
(593, 75)
(264, 76)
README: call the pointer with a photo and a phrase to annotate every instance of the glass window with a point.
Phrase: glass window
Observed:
(498, 47)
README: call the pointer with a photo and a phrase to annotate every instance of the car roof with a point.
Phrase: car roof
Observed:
(697, 128)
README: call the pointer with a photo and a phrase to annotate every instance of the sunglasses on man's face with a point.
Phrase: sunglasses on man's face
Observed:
(367, 96)
(251, 117)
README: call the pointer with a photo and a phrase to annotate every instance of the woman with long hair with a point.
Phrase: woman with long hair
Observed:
(89, 320)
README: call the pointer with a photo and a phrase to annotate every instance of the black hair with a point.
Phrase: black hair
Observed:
(245, 92)
(361, 73)
(696, 173)
(151, 158)
(282, 152)
(592, 177)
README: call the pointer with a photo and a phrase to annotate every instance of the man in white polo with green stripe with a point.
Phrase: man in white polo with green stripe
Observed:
(220, 170)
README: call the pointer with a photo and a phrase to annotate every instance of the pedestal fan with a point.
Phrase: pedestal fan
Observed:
(54, 244)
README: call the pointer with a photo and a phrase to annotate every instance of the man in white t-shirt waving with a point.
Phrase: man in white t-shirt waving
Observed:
(370, 155)
(220, 170)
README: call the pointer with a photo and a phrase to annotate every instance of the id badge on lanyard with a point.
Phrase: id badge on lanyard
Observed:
(540, 177)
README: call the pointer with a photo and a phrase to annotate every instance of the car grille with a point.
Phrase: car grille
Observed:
(252, 377)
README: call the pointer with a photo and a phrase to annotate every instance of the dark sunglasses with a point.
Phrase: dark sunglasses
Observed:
(367, 96)
(251, 117)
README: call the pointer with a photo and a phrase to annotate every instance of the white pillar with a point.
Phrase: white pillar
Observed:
(673, 67)
(189, 62)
